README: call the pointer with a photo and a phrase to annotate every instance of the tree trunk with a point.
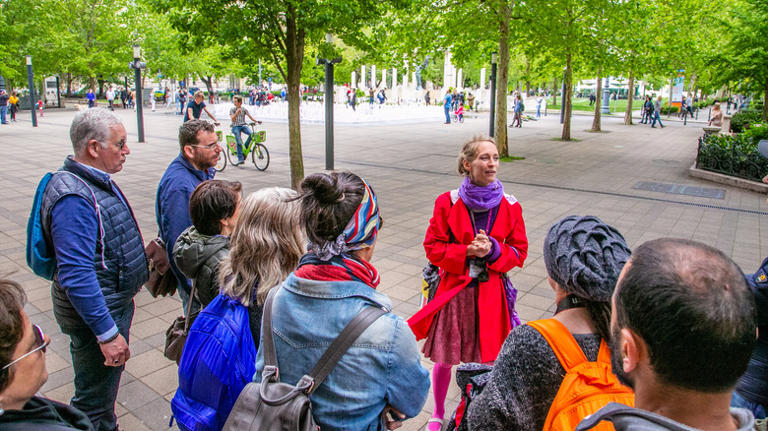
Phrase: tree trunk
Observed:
(566, 136)
(554, 92)
(598, 102)
(502, 81)
(208, 81)
(294, 56)
(69, 84)
(630, 96)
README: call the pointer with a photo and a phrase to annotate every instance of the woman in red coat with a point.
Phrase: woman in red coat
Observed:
(475, 236)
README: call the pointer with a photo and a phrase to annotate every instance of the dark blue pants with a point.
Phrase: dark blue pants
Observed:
(656, 118)
(447, 113)
(237, 130)
(96, 384)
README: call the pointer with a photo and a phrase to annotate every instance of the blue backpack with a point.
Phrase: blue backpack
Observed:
(40, 257)
(218, 360)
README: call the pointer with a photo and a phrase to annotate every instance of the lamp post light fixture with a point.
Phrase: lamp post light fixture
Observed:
(328, 104)
(31, 83)
(137, 65)
(493, 94)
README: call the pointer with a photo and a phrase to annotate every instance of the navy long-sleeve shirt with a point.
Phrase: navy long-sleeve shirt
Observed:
(172, 205)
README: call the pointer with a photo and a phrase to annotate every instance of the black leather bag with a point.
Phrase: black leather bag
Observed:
(275, 406)
(161, 280)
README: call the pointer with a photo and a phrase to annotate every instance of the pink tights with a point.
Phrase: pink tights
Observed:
(441, 378)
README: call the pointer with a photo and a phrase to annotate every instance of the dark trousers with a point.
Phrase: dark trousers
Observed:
(96, 384)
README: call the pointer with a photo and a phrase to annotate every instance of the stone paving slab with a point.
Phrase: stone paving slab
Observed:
(409, 165)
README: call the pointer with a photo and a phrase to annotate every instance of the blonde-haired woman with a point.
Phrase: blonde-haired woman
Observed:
(220, 351)
(475, 236)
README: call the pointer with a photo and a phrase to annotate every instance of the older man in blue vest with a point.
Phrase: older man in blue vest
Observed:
(100, 260)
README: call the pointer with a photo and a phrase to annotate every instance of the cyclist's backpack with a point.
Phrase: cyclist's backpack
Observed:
(40, 257)
(275, 406)
(587, 386)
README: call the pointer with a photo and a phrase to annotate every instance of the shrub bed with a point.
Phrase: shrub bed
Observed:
(734, 155)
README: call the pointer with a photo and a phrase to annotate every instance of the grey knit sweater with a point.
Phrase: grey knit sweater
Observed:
(524, 382)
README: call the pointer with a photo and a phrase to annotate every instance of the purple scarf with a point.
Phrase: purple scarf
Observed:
(481, 198)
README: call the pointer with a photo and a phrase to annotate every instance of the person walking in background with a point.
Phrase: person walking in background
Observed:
(539, 101)
(13, 101)
(657, 113)
(518, 110)
(111, 98)
(475, 236)
(4, 98)
(91, 98)
(447, 102)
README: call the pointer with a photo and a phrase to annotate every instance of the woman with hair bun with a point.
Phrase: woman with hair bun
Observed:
(475, 236)
(381, 371)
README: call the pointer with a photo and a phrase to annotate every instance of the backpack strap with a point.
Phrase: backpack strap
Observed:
(332, 354)
(561, 341)
(342, 343)
(97, 208)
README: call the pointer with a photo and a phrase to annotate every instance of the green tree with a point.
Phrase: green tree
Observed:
(277, 30)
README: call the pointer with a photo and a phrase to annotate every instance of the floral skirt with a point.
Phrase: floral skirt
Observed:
(453, 336)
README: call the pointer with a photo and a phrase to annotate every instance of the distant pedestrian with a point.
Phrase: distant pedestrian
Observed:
(426, 97)
(371, 94)
(518, 110)
(592, 99)
(539, 101)
(13, 101)
(657, 113)
(447, 106)
(111, 98)
(353, 99)
(471, 102)
(123, 96)
(91, 98)
(40, 107)
(647, 113)
(4, 98)
(716, 117)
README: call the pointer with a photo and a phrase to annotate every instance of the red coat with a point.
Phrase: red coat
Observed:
(509, 230)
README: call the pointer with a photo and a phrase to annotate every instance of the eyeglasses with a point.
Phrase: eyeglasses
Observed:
(120, 145)
(208, 147)
(40, 344)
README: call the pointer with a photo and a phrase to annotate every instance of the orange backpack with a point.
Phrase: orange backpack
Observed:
(587, 386)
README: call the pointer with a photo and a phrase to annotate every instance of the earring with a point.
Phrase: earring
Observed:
(2, 410)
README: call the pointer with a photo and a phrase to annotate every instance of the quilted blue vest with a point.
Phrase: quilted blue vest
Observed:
(119, 260)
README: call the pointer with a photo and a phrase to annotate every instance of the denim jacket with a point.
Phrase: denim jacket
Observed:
(382, 367)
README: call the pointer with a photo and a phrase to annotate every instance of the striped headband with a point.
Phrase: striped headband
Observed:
(360, 232)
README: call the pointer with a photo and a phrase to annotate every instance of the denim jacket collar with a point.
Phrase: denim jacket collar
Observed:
(335, 290)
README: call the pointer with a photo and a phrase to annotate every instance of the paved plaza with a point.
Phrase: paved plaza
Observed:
(409, 165)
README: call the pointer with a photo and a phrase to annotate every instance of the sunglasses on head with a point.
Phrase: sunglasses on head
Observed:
(40, 344)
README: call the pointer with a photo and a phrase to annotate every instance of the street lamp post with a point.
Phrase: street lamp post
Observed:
(606, 108)
(31, 82)
(493, 95)
(137, 65)
(328, 106)
(562, 100)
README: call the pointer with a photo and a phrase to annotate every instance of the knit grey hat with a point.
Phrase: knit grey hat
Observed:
(584, 256)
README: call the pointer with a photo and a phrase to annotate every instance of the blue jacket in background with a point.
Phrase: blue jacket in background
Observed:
(382, 367)
(216, 364)
(753, 385)
(172, 204)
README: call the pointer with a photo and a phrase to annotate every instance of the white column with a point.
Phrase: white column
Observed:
(362, 77)
(482, 78)
(394, 78)
(354, 79)
(460, 79)
(449, 72)
(373, 76)
(413, 78)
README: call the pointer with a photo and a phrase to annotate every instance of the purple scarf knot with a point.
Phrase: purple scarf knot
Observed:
(481, 197)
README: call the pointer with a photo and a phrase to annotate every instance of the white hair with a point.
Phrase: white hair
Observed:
(94, 123)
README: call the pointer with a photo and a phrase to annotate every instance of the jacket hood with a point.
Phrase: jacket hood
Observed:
(193, 249)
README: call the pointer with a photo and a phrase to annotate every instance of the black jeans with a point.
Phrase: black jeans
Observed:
(96, 384)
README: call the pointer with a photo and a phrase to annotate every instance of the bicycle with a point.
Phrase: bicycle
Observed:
(258, 151)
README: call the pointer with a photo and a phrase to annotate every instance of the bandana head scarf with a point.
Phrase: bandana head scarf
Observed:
(360, 232)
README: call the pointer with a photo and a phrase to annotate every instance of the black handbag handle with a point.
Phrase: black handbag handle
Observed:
(332, 354)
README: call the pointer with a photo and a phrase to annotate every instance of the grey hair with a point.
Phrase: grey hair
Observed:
(94, 123)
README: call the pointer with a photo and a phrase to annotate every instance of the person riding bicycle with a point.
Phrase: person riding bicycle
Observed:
(238, 113)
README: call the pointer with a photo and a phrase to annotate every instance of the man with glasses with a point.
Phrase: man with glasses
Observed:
(100, 260)
(194, 164)
(23, 372)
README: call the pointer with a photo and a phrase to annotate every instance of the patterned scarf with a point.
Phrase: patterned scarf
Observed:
(338, 268)
(360, 232)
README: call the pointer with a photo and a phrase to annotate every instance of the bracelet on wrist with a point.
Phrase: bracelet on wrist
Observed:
(110, 339)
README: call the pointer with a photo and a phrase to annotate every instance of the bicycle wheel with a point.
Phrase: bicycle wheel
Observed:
(221, 164)
(231, 157)
(260, 157)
